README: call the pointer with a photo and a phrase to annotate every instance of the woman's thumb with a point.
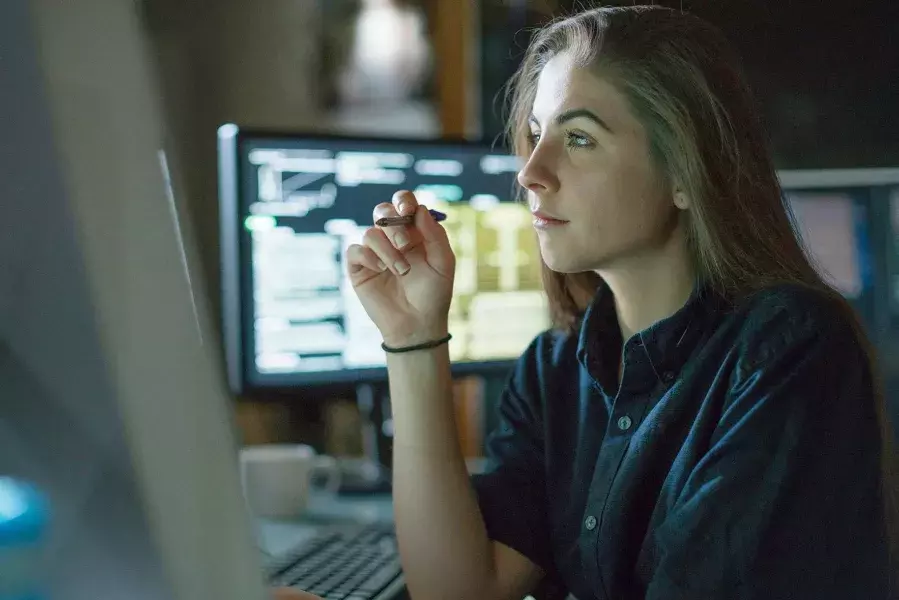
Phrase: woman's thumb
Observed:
(431, 231)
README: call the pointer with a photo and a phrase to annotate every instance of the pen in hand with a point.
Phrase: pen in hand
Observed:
(407, 220)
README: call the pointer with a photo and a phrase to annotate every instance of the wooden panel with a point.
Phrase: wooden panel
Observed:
(468, 395)
(453, 37)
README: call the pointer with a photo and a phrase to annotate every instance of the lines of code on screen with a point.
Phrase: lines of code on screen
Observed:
(305, 202)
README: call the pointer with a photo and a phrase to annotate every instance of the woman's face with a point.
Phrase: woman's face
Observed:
(590, 174)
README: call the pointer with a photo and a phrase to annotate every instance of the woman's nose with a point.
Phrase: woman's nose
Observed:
(536, 177)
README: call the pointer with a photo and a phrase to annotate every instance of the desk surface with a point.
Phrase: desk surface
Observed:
(276, 537)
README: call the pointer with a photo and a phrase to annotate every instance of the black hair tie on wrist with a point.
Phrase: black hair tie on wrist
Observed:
(422, 346)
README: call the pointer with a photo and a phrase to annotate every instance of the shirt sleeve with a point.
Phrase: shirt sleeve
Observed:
(512, 492)
(786, 502)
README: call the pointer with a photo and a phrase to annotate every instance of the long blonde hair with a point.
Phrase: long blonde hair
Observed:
(684, 83)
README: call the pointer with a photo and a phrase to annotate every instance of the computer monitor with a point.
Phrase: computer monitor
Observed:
(292, 204)
(845, 221)
(111, 400)
(831, 225)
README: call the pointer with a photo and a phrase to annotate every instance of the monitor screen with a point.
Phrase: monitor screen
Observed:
(831, 228)
(292, 205)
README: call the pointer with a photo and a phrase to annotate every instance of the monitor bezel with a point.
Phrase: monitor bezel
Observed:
(236, 313)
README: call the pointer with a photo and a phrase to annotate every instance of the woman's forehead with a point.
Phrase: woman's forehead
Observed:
(563, 85)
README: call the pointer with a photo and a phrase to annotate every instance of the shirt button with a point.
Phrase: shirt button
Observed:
(590, 523)
(624, 423)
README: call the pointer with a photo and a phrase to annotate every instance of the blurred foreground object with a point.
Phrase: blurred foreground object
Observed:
(24, 517)
(110, 401)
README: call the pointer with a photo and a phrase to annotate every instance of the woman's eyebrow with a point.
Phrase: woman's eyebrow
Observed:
(575, 113)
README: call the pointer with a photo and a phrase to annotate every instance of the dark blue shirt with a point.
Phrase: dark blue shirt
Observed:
(738, 459)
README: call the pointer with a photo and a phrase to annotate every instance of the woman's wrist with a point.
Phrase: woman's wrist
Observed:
(417, 337)
(421, 361)
(417, 347)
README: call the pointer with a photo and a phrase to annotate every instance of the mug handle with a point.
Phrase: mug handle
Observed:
(330, 466)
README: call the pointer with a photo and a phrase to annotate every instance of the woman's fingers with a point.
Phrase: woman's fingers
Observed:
(436, 242)
(362, 257)
(430, 230)
(402, 204)
(405, 203)
(381, 246)
(401, 235)
(375, 239)
(384, 209)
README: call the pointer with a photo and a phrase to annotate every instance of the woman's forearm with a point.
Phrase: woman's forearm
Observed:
(443, 542)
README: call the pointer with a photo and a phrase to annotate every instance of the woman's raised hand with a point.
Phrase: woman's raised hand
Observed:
(403, 275)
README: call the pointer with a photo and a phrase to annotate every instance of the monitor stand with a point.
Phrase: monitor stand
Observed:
(370, 475)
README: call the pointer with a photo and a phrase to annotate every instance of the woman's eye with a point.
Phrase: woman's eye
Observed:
(533, 138)
(577, 140)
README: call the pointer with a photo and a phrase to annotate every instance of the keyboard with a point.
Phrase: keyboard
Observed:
(358, 562)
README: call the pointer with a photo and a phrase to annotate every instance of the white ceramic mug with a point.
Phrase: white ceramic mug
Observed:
(276, 478)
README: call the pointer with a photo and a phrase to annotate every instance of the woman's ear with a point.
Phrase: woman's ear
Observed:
(681, 201)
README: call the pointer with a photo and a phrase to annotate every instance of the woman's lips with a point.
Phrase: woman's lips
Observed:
(544, 221)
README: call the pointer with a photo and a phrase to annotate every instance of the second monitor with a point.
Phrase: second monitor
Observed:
(292, 205)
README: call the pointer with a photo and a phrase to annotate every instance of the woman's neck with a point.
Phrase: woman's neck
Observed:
(650, 289)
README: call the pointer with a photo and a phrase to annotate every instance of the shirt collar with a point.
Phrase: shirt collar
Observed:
(668, 343)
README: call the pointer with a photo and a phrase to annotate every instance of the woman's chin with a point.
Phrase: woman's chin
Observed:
(562, 264)
(562, 258)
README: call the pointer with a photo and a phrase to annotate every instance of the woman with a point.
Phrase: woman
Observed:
(704, 420)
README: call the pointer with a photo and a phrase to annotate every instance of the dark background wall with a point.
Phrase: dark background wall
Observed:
(826, 75)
